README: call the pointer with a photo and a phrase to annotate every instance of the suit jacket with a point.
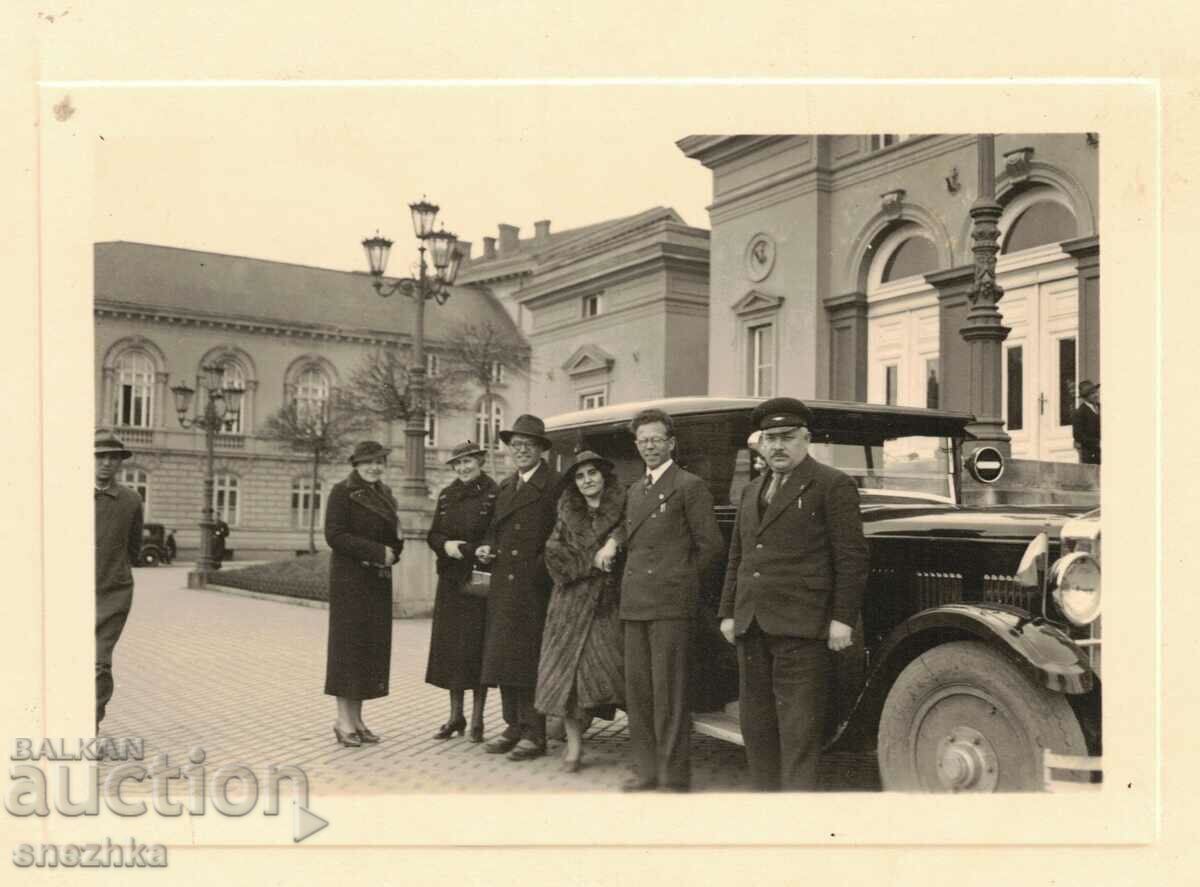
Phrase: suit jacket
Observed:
(520, 586)
(804, 562)
(671, 537)
(1085, 427)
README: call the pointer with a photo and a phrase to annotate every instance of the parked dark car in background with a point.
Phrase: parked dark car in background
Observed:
(961, 676)
(154, 547)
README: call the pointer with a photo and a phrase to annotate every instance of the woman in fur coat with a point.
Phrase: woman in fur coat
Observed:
(581, 669)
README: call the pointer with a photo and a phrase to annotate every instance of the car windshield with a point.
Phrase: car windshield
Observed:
(716, 448)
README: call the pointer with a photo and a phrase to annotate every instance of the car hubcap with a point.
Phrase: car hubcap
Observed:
(966, 761)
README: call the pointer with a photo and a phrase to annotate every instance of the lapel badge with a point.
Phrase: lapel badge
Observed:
(799, 503)
(661, 496)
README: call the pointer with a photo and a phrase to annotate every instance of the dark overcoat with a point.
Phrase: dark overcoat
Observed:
(360, 525)
(672, 538)
(804, 562)
(464, 511)
(520, 588)
(1085, 428)
(582, 668)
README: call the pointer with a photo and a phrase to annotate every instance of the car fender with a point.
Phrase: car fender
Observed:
(1042, 648)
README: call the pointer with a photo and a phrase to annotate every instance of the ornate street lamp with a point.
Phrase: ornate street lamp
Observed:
(219, 402)
(446, 258)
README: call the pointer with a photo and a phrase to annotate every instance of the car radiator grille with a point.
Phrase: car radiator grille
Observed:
(935, 589)
(1005, 590)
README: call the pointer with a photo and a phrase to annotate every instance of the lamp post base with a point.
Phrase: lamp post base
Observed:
(197, 579)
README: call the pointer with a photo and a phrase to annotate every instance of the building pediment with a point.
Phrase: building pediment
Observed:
(588, 359)
(756, 301)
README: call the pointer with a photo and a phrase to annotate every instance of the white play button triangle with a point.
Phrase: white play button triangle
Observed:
(305, 823)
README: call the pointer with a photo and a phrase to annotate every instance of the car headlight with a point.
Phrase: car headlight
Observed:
(1075, 580)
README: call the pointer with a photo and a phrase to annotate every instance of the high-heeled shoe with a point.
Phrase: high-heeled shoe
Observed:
(458, 725)
(475, 734)
(365, 734)
(350, 740)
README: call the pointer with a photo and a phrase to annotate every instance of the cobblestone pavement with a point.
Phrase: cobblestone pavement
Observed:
(242, 678)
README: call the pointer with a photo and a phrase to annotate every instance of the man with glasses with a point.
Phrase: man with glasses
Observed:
(671, 538)
(519, 593)
(794, 584)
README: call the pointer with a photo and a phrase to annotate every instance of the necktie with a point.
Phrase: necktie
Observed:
(520, 482)
(773, 487)
(649, 482)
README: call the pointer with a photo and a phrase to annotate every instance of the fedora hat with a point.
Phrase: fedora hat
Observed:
(1086, 387)
(583, 457)
(464, 449)
(107, 442)
(530, 426)
(368, 451)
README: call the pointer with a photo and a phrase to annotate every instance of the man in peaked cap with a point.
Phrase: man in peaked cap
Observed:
(1085, 424)
(794, 583)
(118, 547)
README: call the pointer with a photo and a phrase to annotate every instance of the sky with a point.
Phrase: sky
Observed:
(304, 174)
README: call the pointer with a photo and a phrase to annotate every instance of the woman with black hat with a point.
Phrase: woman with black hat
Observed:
(581, 669)
(464, 510)
(362, 528)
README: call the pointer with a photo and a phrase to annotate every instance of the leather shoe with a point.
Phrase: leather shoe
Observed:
(501, 745)
(526, 752)
(637, 784)
(365, 735)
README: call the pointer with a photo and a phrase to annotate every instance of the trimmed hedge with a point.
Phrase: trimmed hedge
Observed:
(306, 576)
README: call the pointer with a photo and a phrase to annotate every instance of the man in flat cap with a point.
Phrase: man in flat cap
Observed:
(118, 546)
(1085, 425)
(797, 569)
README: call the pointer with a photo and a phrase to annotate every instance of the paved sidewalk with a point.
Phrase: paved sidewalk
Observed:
(242, 678)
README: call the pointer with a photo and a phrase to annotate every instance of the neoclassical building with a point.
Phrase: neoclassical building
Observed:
(614, 311)
(281, 332)
(840, 266)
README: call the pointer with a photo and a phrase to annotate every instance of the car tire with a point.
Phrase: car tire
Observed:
(149, 559)
(964, 717)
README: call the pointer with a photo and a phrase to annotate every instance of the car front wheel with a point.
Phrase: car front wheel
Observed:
(149, 559)
(963, 717)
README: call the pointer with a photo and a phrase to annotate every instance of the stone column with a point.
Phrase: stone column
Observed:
(1086, 252)
(984, 330)
(954, 358)
(847, 346)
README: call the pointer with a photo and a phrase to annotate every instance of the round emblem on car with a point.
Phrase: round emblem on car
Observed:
(986, 465)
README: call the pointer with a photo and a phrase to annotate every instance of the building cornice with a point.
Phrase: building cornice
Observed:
(713, 151)
(115, 310)
(770, 192)
(627, 266)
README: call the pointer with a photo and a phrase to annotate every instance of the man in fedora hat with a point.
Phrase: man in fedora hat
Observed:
(1085, 425)
(794, 584)
(526, 504)
(118, 546)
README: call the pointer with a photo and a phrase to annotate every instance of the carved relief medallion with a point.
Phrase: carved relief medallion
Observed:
(760, 256)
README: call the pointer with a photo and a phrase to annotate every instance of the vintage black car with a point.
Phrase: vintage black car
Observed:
(154, 546)
(961, 676)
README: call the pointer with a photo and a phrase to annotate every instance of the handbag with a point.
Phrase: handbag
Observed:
(478, 584)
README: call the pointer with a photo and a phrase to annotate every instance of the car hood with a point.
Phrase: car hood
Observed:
(956, 522)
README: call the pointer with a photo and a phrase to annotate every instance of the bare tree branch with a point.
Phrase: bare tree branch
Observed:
(378, 387)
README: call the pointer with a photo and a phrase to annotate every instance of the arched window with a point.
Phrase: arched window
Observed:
(226, 502)
(1046, 221)
(134, 403)
(487, 433)
(915, 255)
(312, 393)
(234, 377)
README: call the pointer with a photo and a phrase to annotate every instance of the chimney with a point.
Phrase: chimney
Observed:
(489, 247)
(464, 247)
(509, 235)
(541, 231)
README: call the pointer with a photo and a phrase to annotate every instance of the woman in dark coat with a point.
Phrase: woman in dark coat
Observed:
(362, 528)
(464, 510)
(581, 670)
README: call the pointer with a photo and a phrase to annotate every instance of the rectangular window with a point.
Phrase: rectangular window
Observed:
(431, 365)
(225, 499)
(891, 383)
(137, 480)
(1016, 389)
(760, 355)
(497, 373)
(591, 305)
(305, 502)
(591, 400)
(932, 389)
(431, 429)
(1066, 380)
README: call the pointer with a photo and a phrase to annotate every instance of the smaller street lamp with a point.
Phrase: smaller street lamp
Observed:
(220, 401)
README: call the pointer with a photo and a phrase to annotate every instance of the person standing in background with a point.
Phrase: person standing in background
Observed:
(1085, 425)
